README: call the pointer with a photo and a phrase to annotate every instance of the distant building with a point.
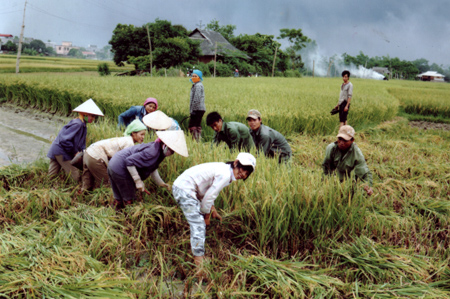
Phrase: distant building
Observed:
(382, 70)
(64, 48)
(4, 38)
(431, 76)
(208, 46)
(89, 54)
(92, 48)
(51, 45)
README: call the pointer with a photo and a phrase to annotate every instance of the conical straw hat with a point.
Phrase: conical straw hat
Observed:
(89, 107)
(157, 120)
(175, 141)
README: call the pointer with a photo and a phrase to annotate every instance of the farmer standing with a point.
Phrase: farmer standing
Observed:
(234, 134)
(196, 189)
(345, 96)
(130, 167)
(344, 156)
(266, 139)
(197, 105)
(71, 140)
(137, 112)
(98, 154)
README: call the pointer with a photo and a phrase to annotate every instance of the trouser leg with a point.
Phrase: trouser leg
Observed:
(191, 210)
(68, 168)
(53, 168)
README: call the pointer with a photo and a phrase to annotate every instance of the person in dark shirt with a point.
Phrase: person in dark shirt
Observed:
(234, 134)
(71, 140)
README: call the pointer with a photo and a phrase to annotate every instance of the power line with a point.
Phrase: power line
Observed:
(7, 12)
(67, 20)
(107, 8)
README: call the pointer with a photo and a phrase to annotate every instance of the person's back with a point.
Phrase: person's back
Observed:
(271, 142)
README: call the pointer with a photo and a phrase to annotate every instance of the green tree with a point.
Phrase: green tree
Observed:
(9, 46)
(38, 46)
(422, 65)
(227, 31)
(50, 51)
(171, 45)
(75, 53)
(261, 49)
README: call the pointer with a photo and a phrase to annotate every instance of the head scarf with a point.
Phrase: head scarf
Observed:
(135, 126)
(151, 100)
(199, 74)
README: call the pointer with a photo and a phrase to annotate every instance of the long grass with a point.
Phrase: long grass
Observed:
(287, 232)
(288, 105)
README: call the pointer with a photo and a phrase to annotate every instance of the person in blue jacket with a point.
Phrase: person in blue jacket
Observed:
(137, 112)
(71, 140)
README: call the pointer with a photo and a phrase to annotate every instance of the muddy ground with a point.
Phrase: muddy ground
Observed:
(429, 125)
(26, 134)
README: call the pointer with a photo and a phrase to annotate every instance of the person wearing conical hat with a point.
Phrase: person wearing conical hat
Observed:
(159, 121)
(196, 189)
(130, 167)
(71, 140)
(137, 112)
(98, 154)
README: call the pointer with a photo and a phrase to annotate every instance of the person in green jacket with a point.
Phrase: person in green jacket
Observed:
(266, 139)
(344, 156)
(234, 134)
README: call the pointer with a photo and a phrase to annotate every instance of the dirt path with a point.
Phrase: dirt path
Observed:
(26, 134)
(429, 125)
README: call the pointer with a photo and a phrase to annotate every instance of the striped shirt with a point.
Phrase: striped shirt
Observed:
(205, 181)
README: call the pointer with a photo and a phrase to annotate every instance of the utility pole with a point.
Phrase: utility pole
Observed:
(274, 58)
(21, 39)
(151, 55)
(313, 68)
(215, 60)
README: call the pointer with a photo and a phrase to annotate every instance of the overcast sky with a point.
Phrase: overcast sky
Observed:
(408, 29)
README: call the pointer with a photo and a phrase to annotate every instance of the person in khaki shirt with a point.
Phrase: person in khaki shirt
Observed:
(344, 156)
(266, 139)
(98, 154)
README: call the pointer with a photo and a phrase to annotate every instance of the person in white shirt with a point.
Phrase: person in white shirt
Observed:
(196, 189)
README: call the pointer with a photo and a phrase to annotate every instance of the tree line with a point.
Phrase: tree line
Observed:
(171, 47)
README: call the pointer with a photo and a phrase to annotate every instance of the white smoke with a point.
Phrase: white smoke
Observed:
(333, 66)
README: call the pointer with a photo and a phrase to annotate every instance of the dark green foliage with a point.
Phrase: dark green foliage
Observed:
(103, 69)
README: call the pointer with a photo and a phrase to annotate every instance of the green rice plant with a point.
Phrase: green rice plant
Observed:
(284, 279)
(375, 263)
(288, 105)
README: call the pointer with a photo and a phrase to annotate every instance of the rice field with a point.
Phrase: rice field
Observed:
(287, 232)
(35, 64)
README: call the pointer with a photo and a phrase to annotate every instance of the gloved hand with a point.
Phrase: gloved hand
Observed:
(140, 185)
(167, 186)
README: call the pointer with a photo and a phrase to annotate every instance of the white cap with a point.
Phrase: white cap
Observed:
(346, 132)
(89, 107)
(157, 120)
(175, 141)
(247, 159)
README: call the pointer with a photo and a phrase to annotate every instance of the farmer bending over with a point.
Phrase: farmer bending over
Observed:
(234, 134)
(266, 139)
(137, 112)
(196, 189)
(71, 140)
(130, 167)
(344, 156)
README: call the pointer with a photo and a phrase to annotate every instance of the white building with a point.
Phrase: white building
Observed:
(431, 76)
